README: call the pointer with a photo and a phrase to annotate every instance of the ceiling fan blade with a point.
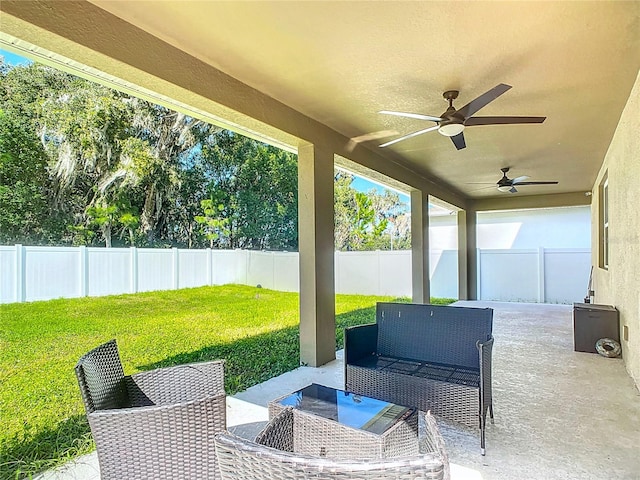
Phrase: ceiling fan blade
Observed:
(411, 115)
(474, 105)
(414, 134)
(519, 179)
(482, 188)
(473, 121)
(458, 141)
(513, 190)
(537, 183)
(354, 141)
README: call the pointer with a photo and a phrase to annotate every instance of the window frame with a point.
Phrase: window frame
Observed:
(603, 224)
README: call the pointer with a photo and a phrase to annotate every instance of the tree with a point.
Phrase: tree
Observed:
(103, 217)
(104, 145)
(267, 200)
(130, 223)
(364, 221)
(256, 186)
(212, 226)
(397, 235)
(24, 210)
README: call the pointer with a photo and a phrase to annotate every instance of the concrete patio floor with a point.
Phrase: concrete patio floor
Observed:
(559, 414)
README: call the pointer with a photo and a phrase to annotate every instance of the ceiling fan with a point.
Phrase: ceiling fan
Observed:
(453, 122)
(508, 185)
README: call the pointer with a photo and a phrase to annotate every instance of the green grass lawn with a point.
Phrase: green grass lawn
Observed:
(43, 422)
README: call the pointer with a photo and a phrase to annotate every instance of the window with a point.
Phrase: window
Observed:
(604, 224)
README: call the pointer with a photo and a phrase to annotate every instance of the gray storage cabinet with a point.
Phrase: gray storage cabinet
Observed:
(592, 322)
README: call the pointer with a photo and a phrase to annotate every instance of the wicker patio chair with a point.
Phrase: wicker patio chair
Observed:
(272, 456)
(158, 424)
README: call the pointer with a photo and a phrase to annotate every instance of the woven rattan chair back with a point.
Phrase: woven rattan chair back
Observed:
(101, 378)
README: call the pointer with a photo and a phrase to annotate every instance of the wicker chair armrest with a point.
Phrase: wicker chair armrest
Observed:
(486, 344)
(359, 342)
(158, 411)
(182, 383)
(485, 350)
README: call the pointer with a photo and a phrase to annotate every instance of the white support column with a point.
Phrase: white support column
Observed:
(420, 247)
(316, 246)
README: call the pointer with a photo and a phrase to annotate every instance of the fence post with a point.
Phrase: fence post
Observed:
(20, 280)
(541, 295)
(336, 262)
(209, 267)
(273, 271)
(247, 260)
(84, 271)
(133, 279)
(176, 268)
(379, 273)
(479, 274)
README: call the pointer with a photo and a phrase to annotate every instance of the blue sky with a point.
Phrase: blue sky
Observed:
(359, 183)
(13, 59)
(364, 185)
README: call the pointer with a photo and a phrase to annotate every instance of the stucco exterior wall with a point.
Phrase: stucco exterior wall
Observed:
(619, 285)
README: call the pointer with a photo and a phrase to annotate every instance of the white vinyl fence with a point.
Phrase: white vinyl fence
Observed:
(43, 273)
(543, 275)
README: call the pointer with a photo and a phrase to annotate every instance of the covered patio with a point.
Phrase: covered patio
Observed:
(312, 77)
(559, 414)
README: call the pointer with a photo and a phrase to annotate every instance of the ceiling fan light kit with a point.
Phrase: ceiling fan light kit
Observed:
(453, 122)
(450, 129)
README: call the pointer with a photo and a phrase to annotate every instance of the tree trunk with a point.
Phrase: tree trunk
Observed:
(106, 232)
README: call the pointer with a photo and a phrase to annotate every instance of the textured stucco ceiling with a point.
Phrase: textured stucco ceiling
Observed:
(340, 63)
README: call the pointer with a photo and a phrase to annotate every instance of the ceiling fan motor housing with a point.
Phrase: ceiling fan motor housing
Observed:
(451, 124)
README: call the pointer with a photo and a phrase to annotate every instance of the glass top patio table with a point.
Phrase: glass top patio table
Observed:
(355, 411)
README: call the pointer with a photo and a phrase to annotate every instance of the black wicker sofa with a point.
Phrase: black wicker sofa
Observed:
(432, 357)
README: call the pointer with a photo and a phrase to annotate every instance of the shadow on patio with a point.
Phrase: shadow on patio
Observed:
(559, 414)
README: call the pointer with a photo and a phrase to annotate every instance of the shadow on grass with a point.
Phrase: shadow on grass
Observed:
(25, 457)
(253, 360)
(248, 361)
